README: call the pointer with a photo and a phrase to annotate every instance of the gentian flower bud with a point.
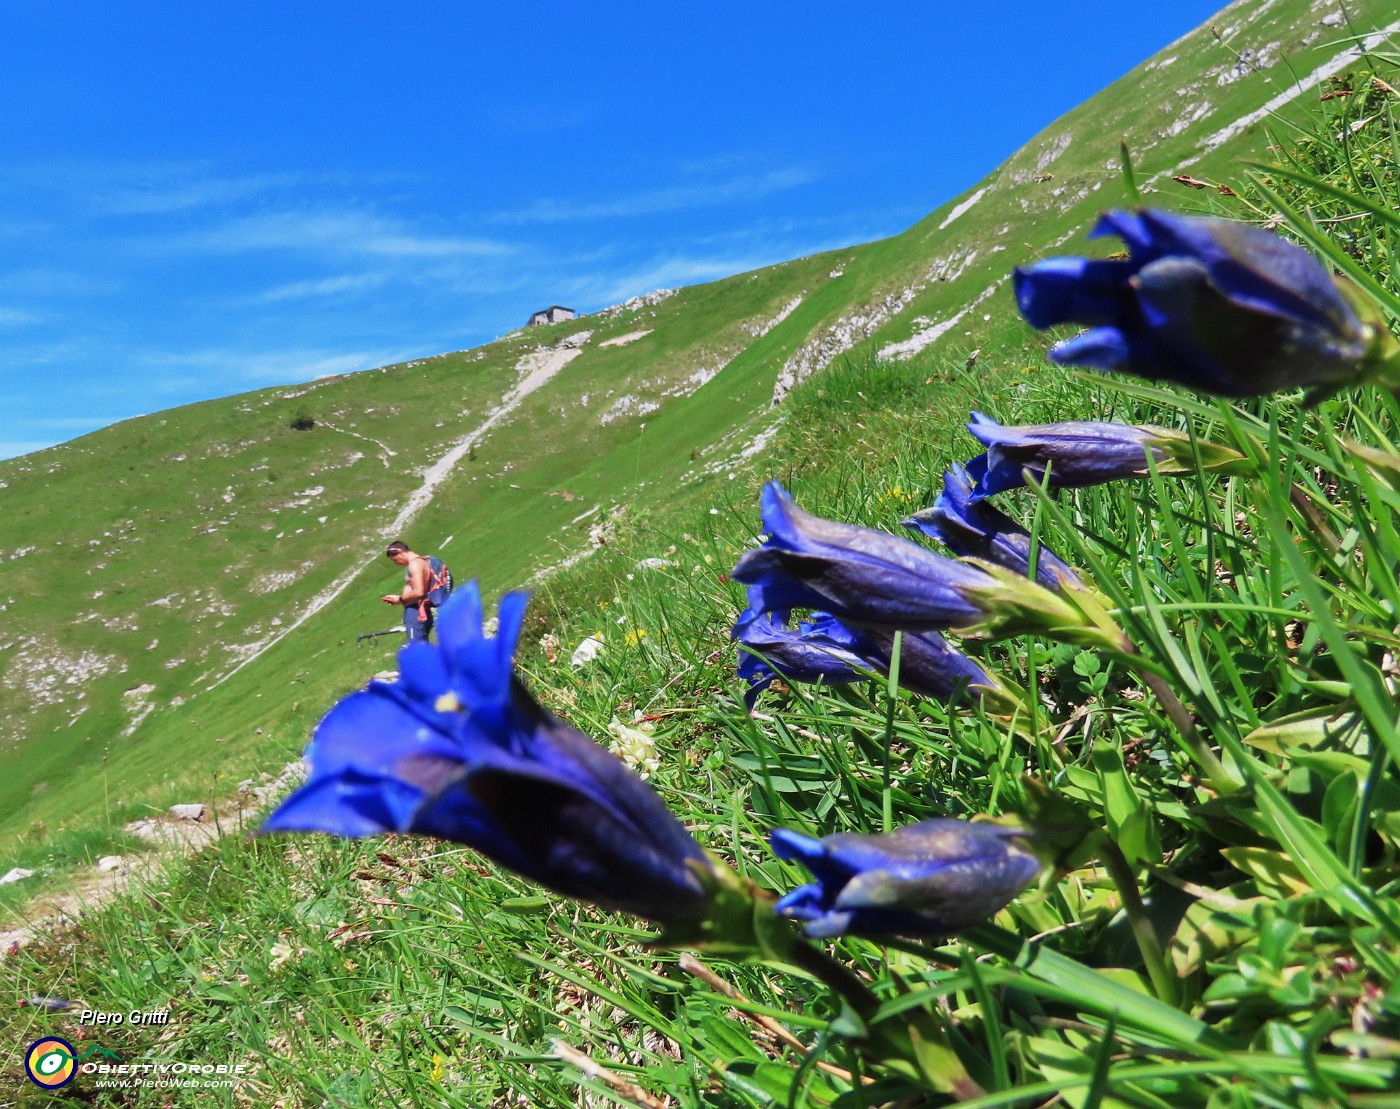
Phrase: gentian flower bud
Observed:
(458, 749)
(929, 665)
(1077, 453)
(977, 530)
(927, 879)
(823, 649)
(861, 576)
(1212, 304)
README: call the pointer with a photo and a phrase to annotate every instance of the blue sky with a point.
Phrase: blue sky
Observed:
(199, 199)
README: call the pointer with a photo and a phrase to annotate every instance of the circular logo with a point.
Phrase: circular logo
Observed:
(49, 1062)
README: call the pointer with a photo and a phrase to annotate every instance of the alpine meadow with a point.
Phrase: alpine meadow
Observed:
(956, 669)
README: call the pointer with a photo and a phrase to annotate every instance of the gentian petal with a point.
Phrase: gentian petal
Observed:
(373, 729)
(977, 530)
(929, 665)
(1103, 348)
(861, 591)
(1133, 229)
(1254, 268)
(990, 477)
(1064, 290)
(1076, 454)
(817, 651)
(351, 803)
(861, 576)
(568, 841)
(823, 649)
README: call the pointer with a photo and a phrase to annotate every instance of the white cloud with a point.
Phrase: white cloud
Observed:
(663, 273)
(42, 282)
(333, 233)
(161, 188)
(164, 191)
(319, 287)
(246, 369)
(652, 201)
(538, 120)
(17, 317)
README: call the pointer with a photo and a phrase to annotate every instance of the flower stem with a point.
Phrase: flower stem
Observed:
(1177, 713)
(921, 1043)
(1164, 982)
(843, 981)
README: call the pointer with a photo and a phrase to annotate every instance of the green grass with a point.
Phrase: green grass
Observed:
(401, 971)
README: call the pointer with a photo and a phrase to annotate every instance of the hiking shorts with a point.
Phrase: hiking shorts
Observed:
(418, 629)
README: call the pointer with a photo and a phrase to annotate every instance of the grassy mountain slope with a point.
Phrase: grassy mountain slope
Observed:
(401, 970)
(149, 573)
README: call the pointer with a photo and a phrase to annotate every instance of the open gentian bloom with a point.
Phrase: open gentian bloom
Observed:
(927, 879)
(977, 530)
(1076, 453)
(862, 577)
(823, 649)
(458, 749)
(1212, 304)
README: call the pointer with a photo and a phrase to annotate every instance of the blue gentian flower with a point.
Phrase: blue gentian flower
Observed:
(817, 650)
(977, 530)
(862, 577)
(823, 649)
(929, 665)
(458, 749)
(1076, 453)
(1212, 304)
(927, 879)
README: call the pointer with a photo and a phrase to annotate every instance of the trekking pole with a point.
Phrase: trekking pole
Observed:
(376, 635)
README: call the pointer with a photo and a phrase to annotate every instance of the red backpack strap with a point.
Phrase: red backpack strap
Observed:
(439, 578)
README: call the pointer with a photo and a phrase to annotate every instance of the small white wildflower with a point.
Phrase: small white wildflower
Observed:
(283, 953)
(587, 651)
(549, 644)
(634, 745)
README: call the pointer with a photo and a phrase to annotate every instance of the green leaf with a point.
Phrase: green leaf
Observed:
(1128, 821)
(525, 906)
(232, 995)
(1125, 161)
(1273, 870)
(1340, 805)
(1208, 930)
(1310, 728)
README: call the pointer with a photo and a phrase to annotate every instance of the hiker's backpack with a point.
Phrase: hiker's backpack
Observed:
(439, 582)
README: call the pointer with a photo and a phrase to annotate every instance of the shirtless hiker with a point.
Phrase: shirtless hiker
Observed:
(418, 579)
